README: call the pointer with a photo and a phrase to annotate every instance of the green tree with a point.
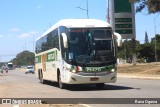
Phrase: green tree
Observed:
(146, 52)
(146, 38)
(157, 45)
(153, 6)
(24, 58)
(126, 51)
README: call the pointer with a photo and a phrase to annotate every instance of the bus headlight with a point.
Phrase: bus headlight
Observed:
(112, 70)
(77, 69)
(74, 71)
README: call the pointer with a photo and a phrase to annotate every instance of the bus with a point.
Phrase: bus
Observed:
(77, 51)
(10, 66)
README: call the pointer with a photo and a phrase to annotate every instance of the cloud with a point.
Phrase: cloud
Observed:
(33, 32)
(14, 30)
(29, 34)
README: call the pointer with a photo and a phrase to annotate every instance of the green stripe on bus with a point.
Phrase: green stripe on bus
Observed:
(56, 53)
(98, 69)
(51, 56)
(93, 69)
(48, 57)
(38, 59)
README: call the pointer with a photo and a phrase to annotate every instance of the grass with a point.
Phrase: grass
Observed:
(145, 68)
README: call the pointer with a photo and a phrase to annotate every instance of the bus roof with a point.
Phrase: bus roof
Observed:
(78, 23)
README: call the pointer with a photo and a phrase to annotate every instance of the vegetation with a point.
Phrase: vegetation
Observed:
(145, 68)
(146, 38)
(153, 6)
(24, 58)
(144, 52)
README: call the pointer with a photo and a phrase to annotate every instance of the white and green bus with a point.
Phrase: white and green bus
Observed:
(77, 51)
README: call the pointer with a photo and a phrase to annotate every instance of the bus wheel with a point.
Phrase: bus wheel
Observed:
(41, 79)
(61, 85)
(100, 85)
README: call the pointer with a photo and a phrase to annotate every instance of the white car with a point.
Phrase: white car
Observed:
(30, 69)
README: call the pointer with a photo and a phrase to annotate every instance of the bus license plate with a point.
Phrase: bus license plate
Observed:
(94, 79)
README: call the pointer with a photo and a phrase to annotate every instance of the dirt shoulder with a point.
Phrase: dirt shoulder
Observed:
(142, 70)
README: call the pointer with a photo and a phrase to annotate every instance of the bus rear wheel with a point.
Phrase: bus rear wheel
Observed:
(60, 83)
(41, 79)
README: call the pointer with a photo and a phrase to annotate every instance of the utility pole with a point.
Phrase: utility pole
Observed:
(87, 11)
(108, 9)
(134, 58)
(155, 40)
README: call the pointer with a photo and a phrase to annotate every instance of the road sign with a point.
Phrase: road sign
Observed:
(126, 31)
(123, 25)
(123, 18)
(122, 6)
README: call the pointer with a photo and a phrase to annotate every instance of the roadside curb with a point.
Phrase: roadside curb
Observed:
(139, 76)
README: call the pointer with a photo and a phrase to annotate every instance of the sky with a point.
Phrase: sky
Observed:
(22, 21)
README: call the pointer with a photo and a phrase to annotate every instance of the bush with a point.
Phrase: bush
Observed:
(140, 60)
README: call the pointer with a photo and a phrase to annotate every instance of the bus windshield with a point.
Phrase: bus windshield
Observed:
(10, 66)
(92, 46)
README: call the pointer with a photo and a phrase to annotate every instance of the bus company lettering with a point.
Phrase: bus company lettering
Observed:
(93, 69)
(36, 59)
(51, 56)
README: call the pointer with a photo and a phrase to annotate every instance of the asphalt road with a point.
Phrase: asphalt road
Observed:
(17, 84)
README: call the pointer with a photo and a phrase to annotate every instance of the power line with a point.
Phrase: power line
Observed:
(85, 9)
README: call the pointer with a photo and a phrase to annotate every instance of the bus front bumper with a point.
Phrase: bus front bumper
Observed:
(79, 79)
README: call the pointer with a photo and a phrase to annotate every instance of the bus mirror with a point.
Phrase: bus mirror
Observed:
(118, 38)
(65, 41)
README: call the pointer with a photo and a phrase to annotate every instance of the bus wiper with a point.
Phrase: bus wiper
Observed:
(93, 52)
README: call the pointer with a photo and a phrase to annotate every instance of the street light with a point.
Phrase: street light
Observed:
(85, 9)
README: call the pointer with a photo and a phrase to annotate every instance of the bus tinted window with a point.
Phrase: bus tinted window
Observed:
(47, 42)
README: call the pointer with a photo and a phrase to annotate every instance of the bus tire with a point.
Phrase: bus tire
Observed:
(41, 79)
(60, 84)
(100, 85)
